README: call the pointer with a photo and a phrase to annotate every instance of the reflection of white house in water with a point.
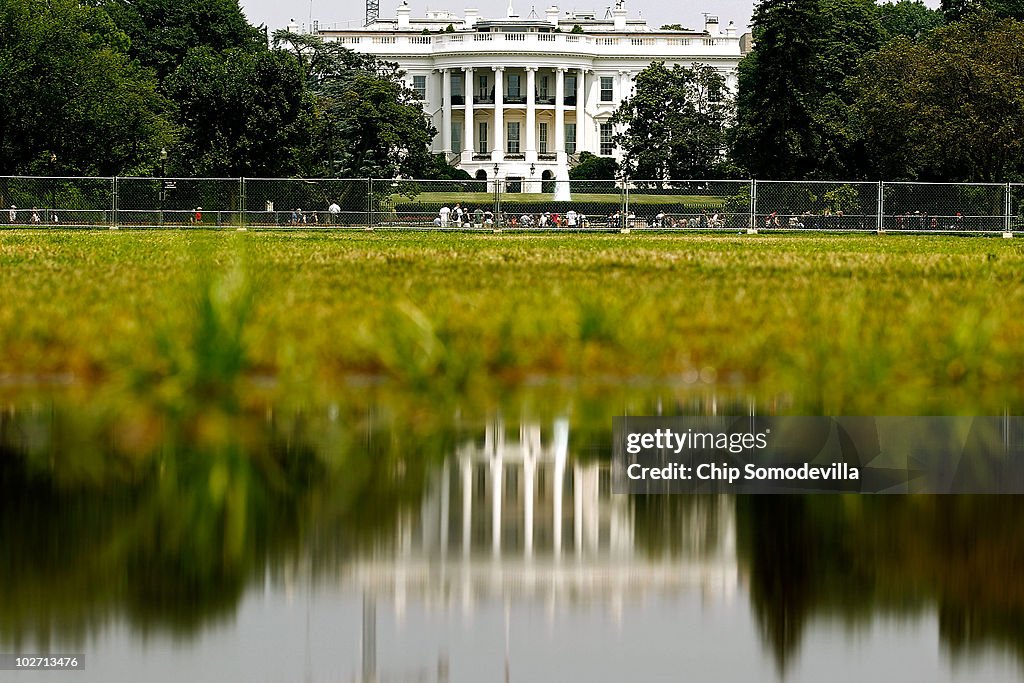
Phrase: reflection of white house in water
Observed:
(519, 518)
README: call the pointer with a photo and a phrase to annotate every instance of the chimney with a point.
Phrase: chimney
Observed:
(730, 30)
(619, 14)
(471, 16)
(552, 16)
(404, 11)
(711, 25)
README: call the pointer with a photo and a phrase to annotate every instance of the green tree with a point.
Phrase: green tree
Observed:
(163, 31)
(676, 123)
(68, 88)
(593, 167)
(241, 113)
(955, 10)
(440, 169)
(793, 116)
(950, 107)
(909, 18)
(366, 121)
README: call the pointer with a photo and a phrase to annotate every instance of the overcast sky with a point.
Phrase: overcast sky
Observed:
(276, 13)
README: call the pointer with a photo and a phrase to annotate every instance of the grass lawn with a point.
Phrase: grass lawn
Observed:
(845, 324)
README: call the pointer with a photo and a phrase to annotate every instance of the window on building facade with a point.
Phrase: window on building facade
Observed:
(481, 138)
(481, 86)
(512, 144)
(542, 87)
(513, 85)
(457, 137)
(419, 84)
(606, 140)
(543, 139)
(458, 89)
(570, 138)
(606, 88)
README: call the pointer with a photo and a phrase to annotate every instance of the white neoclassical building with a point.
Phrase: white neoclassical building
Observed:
(519, 98)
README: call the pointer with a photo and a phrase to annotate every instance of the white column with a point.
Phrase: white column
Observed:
(498, 150)
(467, 135)
(581, 111)
(446, 112)
(531, 114)
(560, 116)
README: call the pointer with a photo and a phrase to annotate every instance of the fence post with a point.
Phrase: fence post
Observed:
(880, 227)
(498, 222)
(241, 205)
(113, 205)
(752, 226)
(1008, 208)
(369, 204)
(624, 226)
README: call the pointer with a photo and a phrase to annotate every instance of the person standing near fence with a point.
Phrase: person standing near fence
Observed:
(335, 212)
(444, 213)
(478, 217)
(12, 215)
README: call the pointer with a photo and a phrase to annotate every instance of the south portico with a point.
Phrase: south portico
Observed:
(526, 120)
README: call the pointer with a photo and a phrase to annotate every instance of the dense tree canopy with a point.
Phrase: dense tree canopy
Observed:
(950, 107)
(366, 121)
(593, 167)
(955, 10)
(163, 31)
(908, 18)
(68, 88)
(240, 112)
(792, 106)
(675, 124)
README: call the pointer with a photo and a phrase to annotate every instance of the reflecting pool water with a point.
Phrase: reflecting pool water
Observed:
(385, 537)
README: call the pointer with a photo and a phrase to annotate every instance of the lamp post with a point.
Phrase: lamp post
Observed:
(53, 191)
(163, 181)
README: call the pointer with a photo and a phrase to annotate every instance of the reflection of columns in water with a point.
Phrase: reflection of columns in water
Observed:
(466, 466)
(561, 448)
(530, 437)
(369, 663)
(494, 447)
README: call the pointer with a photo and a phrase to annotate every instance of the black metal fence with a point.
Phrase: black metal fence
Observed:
(511, 205)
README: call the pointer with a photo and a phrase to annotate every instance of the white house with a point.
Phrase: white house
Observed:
(519, 98)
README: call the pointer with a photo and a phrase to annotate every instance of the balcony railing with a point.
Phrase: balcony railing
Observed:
(667, 45)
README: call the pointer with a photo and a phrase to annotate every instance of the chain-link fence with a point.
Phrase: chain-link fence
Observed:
(507, 204)
(53, 202)
(307, 203)
(688, 204)
(815, 205)
(946, 207)
(179, 202)
(1015, 214)
(434, 205)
